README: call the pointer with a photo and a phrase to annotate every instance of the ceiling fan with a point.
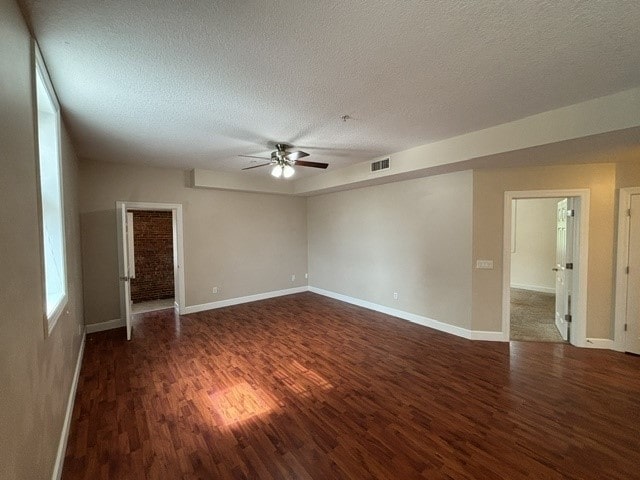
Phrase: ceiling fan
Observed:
(284, 160)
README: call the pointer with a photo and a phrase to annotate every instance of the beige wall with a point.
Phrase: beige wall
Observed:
(489, 188)
(36, 371)
(535, 244)
(628, 173)
(243, 243)
(411, 237)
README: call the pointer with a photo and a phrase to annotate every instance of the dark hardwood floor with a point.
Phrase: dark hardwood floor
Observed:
(304, 387)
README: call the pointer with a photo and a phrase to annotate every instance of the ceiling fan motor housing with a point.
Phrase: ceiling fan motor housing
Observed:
(279, 158)
(282, 158)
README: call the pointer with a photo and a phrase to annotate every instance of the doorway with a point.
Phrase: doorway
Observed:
(545, 246)
(538, 250)
(627, 318)
(151, 267)
(150, 258)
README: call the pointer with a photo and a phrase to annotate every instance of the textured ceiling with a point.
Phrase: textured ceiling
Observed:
(195, 83)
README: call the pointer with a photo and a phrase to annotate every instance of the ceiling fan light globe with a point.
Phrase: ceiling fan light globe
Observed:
(276, 171)
(288, 171)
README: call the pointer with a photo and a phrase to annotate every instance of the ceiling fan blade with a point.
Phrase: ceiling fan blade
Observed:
(253, 156)
(256, 166)
(293, 156)
(311, 164)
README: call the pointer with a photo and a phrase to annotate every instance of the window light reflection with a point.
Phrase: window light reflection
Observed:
(239, 403)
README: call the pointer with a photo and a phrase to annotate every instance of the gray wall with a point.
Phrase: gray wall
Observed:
(244, 243)
(36, 370)
(411, 237)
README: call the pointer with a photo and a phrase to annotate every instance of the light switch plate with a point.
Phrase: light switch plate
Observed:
(484, 264)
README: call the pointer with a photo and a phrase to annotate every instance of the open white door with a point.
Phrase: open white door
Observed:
(562, 293)
(123, 266)
(632, 320)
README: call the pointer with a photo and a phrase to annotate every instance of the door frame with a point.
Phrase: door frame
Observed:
(567, 275)
(178, 244)
(579, 299)
(622, 257)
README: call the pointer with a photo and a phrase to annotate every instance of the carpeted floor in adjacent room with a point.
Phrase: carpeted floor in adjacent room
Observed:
(532, 316)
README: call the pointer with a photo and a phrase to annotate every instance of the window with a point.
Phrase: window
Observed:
(53, 241)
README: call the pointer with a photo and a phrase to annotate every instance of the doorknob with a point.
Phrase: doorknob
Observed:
(555, 269)
(126, 279)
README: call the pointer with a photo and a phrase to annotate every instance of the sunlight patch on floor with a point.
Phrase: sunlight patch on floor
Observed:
(242, 401)
(239, 403)
(301, 380)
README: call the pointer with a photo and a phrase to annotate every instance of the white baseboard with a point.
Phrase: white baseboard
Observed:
(238, 300)
(485, 335)
(118, 323)
(412, 317)
(603, 343)
(64, 435)
(618, 345)
(534, 288)
(100, 327)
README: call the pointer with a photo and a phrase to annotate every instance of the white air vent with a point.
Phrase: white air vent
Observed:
(380, 165)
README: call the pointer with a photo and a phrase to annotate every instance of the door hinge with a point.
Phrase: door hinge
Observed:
(627, 270)
(628, 212)
(571, 213)
(625, 327)
(567, 318)
(569, 266)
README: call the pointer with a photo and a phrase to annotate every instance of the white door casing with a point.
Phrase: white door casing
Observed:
(571, 249)
(123, 266)
(178, 255)
(627, 327)
(563, 279)
(579, 246)
(632, 320)
(131, 251)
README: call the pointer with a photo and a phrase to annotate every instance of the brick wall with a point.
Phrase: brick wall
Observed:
(153, 246)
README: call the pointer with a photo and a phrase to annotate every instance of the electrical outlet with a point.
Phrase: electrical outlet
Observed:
(395, 295)
(214, 290)
(293, 277)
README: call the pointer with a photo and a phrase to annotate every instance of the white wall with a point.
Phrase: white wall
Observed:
(535, 244)
(411, 237)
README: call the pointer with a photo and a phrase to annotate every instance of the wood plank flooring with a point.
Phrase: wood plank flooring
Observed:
(306, 387)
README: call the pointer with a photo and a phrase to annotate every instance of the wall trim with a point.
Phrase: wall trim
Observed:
(414, 318)
(622, 260)
(109, 325)
(604, 343)
(119, 323)
(534, 288)
(66, 425)
(238, 300)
